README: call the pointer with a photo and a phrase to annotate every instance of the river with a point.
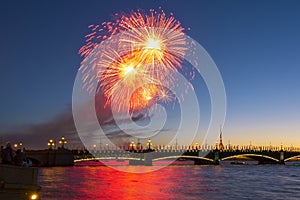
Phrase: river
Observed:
(172, 182)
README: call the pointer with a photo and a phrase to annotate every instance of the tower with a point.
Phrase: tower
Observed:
(221, 146)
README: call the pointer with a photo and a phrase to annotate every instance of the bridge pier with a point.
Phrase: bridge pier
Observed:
(281, 157)
(216, 157)
(148, 159)
(144, 160)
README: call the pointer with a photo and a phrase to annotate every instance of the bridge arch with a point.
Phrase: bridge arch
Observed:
(252, 156)
(298, 156)
(35, 162)
(183, 156)
(106, 158)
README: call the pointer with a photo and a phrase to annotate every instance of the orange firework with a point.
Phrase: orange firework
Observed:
(122, 77)
(143, 97)
(150, 48)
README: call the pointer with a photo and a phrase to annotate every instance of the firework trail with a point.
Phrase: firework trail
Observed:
(148, 51)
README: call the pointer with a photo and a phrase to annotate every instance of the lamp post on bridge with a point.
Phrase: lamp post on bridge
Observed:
(216, 146)
(149, 144)
(132, 145)
(62, 142)
(51, 144)
(196, 146)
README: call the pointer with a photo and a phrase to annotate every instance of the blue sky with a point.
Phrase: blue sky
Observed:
(255, 44)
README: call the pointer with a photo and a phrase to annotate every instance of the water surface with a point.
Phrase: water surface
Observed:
(172, 182)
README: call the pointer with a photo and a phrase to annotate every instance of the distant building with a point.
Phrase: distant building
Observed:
(221, 146)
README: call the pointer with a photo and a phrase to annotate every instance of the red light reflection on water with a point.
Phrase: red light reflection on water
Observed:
(122, 185)
(101, 182)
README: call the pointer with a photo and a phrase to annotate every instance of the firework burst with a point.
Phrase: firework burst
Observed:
(150, 48)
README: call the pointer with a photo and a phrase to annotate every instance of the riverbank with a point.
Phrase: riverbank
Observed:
(18, 182)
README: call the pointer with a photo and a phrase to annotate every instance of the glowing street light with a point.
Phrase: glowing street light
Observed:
(196, 146)
(15, 145)
(149, 144)
(132, 145)
(62, 142)
(51, 143)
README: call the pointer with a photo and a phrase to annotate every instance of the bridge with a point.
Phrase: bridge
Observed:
(137, 155)
(200, 157)
(51, 157)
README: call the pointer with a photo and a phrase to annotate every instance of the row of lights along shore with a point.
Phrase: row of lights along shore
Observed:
(132, 145)
(62, 142)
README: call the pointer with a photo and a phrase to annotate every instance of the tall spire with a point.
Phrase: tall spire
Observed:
(221, 146)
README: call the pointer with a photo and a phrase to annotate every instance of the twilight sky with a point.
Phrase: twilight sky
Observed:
(255, 44)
